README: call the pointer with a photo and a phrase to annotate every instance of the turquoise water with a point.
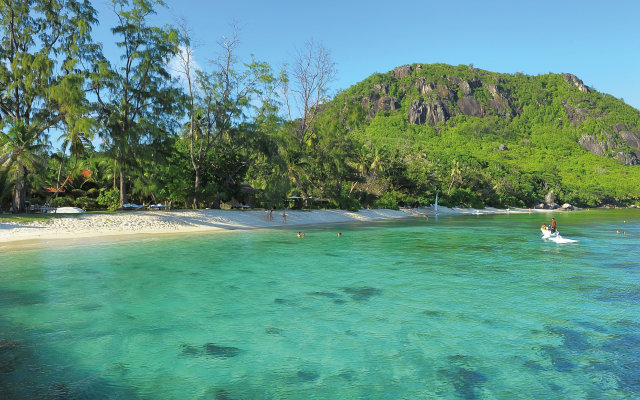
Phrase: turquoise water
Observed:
(468, 307)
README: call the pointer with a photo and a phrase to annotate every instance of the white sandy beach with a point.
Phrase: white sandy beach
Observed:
(74, 226)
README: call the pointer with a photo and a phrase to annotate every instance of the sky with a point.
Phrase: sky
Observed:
(595, 40)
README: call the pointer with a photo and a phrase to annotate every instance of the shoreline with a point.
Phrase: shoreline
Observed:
(137, 223)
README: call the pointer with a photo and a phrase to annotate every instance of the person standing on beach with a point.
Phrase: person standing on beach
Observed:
(284, 216)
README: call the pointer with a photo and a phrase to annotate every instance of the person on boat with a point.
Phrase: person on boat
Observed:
(554, 227)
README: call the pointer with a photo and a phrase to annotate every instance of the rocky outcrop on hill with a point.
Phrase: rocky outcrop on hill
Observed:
(377, 103)
(627, 158)
(621, 143)
(432, 98)
(576, 115)
(468, 105)
(595, 146)
(417, 112)
(499, 103)
(402, 72)
(572, 79)
(457, 97)
(466, 87)
(380, 88)
(608, 145)
(425, 88)
(440, 100)
(430, 112)
(630, 137)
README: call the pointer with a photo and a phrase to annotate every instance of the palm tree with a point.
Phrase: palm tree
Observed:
(78, 140)
(104, 170)
(21, 151)
(368, 162)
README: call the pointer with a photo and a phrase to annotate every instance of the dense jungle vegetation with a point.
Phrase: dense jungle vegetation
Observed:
(78, 129)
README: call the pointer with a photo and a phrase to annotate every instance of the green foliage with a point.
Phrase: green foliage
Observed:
(75, 193)
(225, 134)
(62, 202)
(346, 201)
(464, 197)
(140, 101)
(86, 203)
(21, 152)
(110, 199)
(44, 47)
(388, 200)
(542, 119)
(353, 153)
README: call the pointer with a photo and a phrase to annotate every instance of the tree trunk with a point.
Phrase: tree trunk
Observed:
(196, 189)
(58, 181)
(115, 164)
(123, 194)
(20, 191)
(60, 186)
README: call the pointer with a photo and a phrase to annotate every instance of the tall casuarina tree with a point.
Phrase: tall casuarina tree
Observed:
(43, 47)
(136, 97)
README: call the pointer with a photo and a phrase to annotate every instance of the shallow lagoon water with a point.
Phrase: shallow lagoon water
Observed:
(464, 307)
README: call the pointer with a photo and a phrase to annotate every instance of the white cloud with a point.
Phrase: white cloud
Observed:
(177, 65)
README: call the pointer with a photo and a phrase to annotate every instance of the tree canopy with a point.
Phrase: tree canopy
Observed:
(237, 132)
(44, 48)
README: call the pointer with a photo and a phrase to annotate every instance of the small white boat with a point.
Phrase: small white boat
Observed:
(68, 210)
(554, 236)
(546, 232)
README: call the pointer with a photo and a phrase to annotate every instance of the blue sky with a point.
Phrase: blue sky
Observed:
(596, 40)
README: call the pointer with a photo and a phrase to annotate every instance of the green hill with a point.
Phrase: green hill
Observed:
(483, 138)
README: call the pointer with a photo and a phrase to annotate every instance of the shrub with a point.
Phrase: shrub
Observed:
(61, 202)
(110, 199)
(465, 198)
(78, 193)
(349, 203)
(86, 203)
(388, 201)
